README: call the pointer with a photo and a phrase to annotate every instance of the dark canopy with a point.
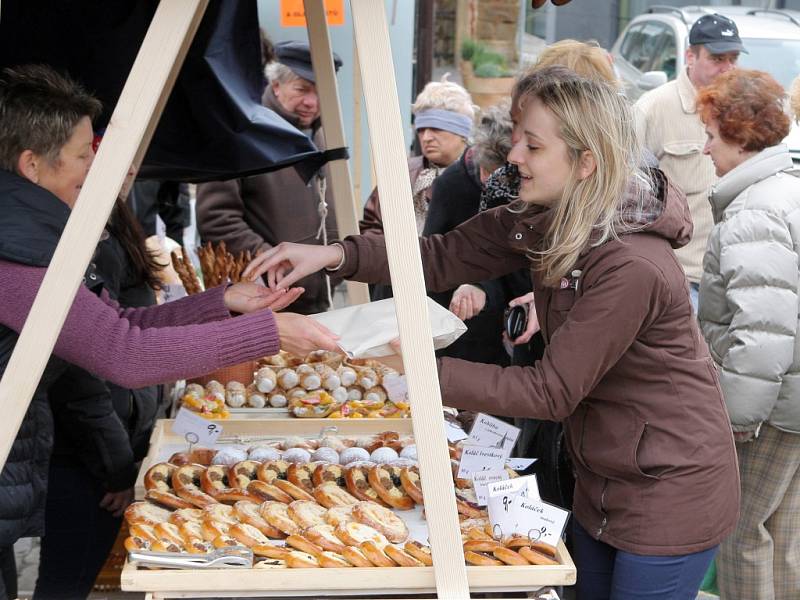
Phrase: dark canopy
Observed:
(213, 126)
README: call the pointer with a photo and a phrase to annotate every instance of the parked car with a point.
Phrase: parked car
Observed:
(651, 50)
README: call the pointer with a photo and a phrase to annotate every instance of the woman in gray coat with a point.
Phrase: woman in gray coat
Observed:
(749, 315)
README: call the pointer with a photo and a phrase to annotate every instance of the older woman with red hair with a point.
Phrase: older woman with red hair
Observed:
(749, 315)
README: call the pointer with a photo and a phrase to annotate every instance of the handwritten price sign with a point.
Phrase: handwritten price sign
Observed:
(195, 429)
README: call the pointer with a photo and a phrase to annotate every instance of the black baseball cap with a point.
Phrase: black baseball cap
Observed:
(297, 56)
(717, 33)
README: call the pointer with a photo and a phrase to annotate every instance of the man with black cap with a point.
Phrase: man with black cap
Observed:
(669, 127)
(258, 212)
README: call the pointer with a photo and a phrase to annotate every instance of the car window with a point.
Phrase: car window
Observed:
(641, 44)
(779, 58)
(667, 54)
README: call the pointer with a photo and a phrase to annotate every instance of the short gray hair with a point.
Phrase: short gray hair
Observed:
(39, 109)
(279, 72)
(445, 95)
(493, 136)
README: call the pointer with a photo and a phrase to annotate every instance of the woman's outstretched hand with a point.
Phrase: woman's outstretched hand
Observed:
(245, 297)
(288, 263)
(301, 335)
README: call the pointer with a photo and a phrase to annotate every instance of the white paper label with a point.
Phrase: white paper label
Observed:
(520, 464)
(482, 479)
(501, 495)
(475, 459)
(488, 431)
(396, 387)
(195, 429)
(540, 521)
(454, 432)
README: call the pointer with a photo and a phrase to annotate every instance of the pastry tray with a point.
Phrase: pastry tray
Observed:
(318, 582)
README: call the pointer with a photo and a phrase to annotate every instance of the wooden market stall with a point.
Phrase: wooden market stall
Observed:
(132, 124)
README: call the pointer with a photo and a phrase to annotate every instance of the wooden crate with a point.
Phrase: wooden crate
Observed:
(315, 582)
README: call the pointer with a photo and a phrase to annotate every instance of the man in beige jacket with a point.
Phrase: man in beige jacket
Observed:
(669, 127)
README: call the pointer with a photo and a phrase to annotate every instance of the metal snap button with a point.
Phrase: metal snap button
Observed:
(518, 236)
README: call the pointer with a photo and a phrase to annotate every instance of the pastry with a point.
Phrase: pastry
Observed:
(255, 399)
(300, 560)
(220, 512)
(186, 481)
(340, 395)
(277, 515)
(332, 560)
(146, 513)
(159, 477)
(272, 470)
(235, 394)
(242, 473)
(329, 495)
(198, 456)
(535, 557)
(376, 555)
(265, 380)
(509, 557)
(516, 541)
(214, 482)
(385, 480)
(308, 378)
(355, 556)
(211, 529)
(409, 452)
(300, 475)
(249, 513)
(383, 455)
(287, 378)
(168, 532)
(267, 491)
(476, 533)
(401, 557)
(270, 551)
(324, 454)
(545, 549)
(297, 455)
(191, 531)
(353, 533)
(329, 472)
(339, 514)
(419, 551)
(306, 513)
(165, 546)
(135, 544)
(324, 537)
(350, 455)
(186, 515)
(295, 492)
(278, 399)
(229, 456)
(347, 375)
(143, 531)
(482, 560)
(357, 480)
(167, 500)
(328, 357)
(262, 454)
(467, 503)
(248, 535)
(381, 519)
(298, 542)
(225, 541)
(216, 390)
(198, 546)
(482, 545)
(409, 479)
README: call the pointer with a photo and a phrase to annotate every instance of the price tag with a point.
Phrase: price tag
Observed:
(454, 432)
(396, 387)
(540, 521)
(488, 431)
(520, 464)
(482, 479)
(500, 501)
(475, 459)
(195, 429)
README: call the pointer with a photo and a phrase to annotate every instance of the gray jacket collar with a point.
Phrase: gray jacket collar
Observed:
(764, 164)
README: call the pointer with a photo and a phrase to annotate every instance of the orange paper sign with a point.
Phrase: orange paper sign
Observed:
(293, 13)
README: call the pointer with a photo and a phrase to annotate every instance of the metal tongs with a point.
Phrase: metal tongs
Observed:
(229, 557)
(249, 439)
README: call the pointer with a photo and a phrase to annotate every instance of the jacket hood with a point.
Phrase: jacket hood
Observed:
(764, 164)
(31, 221)
(661, 209)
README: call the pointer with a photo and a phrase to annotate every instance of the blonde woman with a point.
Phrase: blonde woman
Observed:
(443, 118)
(625, 369)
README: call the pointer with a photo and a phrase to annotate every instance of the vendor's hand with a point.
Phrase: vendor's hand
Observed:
(467, 301)
(117, 502)
(301, 335)
(245, 297)
(532, 325)
(288, 263)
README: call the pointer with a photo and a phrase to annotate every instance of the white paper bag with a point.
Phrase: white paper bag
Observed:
(365, 330)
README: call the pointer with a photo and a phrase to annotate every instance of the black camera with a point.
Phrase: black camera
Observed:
(515, 320)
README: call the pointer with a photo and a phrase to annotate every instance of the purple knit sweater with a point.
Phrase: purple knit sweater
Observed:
(136, 347)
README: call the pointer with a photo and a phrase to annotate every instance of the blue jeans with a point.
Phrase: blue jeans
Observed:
(694, 295)
(605, 573)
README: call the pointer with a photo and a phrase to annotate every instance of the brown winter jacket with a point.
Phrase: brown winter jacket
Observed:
(625, 369)
(261, 211)
(373, 218)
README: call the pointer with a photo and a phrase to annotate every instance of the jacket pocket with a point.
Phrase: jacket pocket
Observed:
(682, 157)
(639, 449)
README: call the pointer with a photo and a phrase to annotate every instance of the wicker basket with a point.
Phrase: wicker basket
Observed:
(243, 373)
